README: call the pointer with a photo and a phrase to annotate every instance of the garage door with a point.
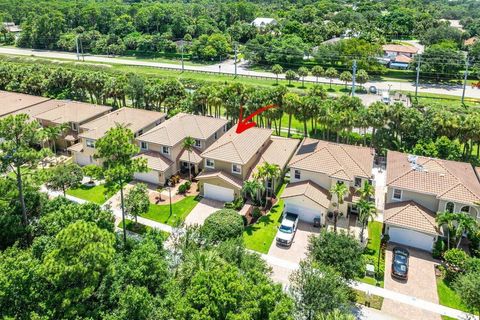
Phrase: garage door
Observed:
(304, 213)
(149, 177)
(411, 238)
(82, 160)
(214, 192)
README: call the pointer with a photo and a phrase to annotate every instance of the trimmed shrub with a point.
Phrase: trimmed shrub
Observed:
(222, 225)
(455, 262)
(438, 249)
(257, 213)
(182, 189)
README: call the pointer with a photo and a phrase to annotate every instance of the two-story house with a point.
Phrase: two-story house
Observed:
(315, 168)
(234, 157)
(163, 147)
(419, 187)
(14, 103)
(72, 114)
(137, 120)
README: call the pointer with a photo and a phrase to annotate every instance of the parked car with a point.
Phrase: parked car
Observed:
(386, 97)
(400, 263)
(287, 229)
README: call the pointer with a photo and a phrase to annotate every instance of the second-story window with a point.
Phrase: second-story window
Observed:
(397, 194)
(225, 128)
(143, 145)
(297, 174)
(74, 126)
(90, 143)
(198, 143)
(165, 150)
(236, 168)
(358, 182)
(209, 163)
(215, 136)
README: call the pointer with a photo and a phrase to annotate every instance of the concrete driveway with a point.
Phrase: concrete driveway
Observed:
(202, 210)
(421, 284)
(298, 250)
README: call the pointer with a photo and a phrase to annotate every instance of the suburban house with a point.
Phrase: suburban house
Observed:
(11, 27)
(234, 158)
(163, 148)
(398, 56)
(319, 165)
(72, 114)
(470, 41)
(419, 187)
(13, 103)
(261, 23)
(137, 120)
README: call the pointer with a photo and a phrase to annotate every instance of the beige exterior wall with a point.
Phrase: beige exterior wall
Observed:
(426, 200)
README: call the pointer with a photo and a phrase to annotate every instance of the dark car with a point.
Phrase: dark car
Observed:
(400, 263)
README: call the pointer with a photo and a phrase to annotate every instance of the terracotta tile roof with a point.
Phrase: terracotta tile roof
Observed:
(411, 215)
(308, 189)
(183, 125)
(236, 182)
(470, 41)
(155, 160)
(62, 111)
(10, 102)
(399, 48)
(334, 159)
(279, 151)
(194, 156)
(134, 119)
(445, 179)
(402, 58)
(76, 147)
(238, 148)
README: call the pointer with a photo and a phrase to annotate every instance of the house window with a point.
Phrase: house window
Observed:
(165, 150)
(297, 174)
(198, 143)
(236, 168)
(90, 143)
(465, 209)
(397, 194)
(358, 182)
(74, 126)
(225, 128)
(215, 136)
(450, 207)
(143, 145)
(209, 163)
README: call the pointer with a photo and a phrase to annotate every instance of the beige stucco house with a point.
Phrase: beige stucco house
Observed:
(163, 148)
(137, 120)
(234, 158)
(315, 168)
(15, 103)
(419, 187)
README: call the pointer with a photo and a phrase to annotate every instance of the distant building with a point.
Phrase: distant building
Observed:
(12, 28)
(398, 56)
(470, 41)
(263, 22)
(454, 24)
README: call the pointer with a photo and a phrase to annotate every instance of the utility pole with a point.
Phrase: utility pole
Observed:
(418, 79)
(78, 49)
(354, 74)
(236, 52)
(81, 50)
(465, 79)
(183, 64)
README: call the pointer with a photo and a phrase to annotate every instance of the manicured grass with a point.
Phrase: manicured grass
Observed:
(448, 297)
(259, 236)
(375, 301)
(139, 228)
(180, 210)
(374, 239)
(97, 194)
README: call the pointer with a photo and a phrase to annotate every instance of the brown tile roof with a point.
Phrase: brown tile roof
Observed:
(134, 119)
(411, 215)
(194, 156)
(183, 125)
(62, 111)
(10, 102)
(399, 48)
(334, 159)
(238, 148)
(76, 147)
(155, 160)
(279, 151)
(470, 41)
(403, 58)
(445, 179)
(234, 181)
(308, 189)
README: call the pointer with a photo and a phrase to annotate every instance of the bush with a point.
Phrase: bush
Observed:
(222, 225)
(236, 204)
(182, 189)
(438, 249)
(257, 213)
(455, 262)
(188, 184)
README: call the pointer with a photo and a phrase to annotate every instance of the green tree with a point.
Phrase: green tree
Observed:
(346, 77)
(339, 190)
(317, 71)
(465, 223)
(303, 72)
(366, 213)
(361, 77)
(117, 150)
(52, 133)
(222, 225)
(137, 201)
(188, 144)
(291, 103)
(468, 288)
(277, 69)
(65, 176)
(331, 73)
(446, 219)
(290, 75)
(367, 191)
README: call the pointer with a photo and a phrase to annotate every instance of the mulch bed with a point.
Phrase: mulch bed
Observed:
(250, 219)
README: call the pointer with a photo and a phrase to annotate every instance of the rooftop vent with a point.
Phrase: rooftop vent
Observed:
(412, 158)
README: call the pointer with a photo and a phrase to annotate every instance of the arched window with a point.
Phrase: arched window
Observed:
(450, 207)
(465, 209)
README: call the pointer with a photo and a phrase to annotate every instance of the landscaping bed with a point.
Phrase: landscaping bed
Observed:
(372, 254)
(97, 194)
(139, 228)
(180, 210)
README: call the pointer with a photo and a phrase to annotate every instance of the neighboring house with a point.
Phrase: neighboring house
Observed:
(234, 158)
(12, 28)
(393, 50)
(400, 62)
(263, 22)
(470, 41)
(162, 146)
(14, 103)
(72, 114)
(137, 120)
(315, 168)
(419, 187)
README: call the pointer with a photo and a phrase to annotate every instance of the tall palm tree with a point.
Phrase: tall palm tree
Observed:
(465, 224)
(51, 133)
(188, 144)
(262, 174)
(291, 102)
(250, 189)
(339, 190)
(446, 219)
(366, 213)
(366, 191)
(274, 173)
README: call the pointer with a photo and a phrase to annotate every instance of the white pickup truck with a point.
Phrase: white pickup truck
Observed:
(286, 231)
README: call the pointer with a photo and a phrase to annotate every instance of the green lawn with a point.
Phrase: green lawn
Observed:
(374, 301)
(180, 210)
(97, 194)
(139, 228)
(448, 297)
(374, 235)
(259, 236)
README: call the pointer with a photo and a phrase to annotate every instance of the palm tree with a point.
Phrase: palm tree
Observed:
(366, 213)
(291, 103)
(262, 174)
(51, 133)
(446, 219)
(188, 144)
(274, 173)
(251, 189)
(339, 190)
(465, 224)
(366, 191)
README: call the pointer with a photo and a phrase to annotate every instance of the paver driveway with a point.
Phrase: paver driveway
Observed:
(421, 284)
(202, 210)
(298, 250)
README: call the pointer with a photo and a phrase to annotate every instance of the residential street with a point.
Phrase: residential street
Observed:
(228, 67)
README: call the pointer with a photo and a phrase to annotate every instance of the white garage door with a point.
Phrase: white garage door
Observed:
(149, 177)
(304, 213)
(411, 238)
(82, 160)
(214, 192)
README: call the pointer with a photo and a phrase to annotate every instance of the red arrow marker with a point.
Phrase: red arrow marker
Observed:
(247, 123)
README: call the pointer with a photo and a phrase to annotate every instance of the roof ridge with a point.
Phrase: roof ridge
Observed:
(348, 154)
(456, 185)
